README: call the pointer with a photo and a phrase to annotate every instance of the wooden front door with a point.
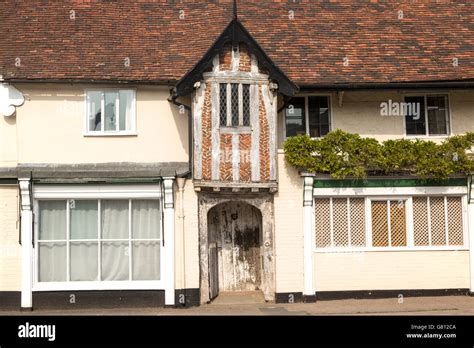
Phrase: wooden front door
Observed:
(235, 228)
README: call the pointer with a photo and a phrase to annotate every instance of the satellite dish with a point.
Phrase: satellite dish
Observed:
(10, 99)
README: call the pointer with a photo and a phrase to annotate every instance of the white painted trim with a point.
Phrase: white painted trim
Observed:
(215, 137)
(470, 217)
(168, 249)
(200, 95)
(26, 216)
(100, 285)
(386, 249)
(389, 191)
(255, 124)
(308, 250)
(96, 191)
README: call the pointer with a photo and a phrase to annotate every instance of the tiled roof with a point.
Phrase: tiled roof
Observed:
(312, 42)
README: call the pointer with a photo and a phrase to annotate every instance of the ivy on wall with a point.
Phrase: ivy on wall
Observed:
(342, 155)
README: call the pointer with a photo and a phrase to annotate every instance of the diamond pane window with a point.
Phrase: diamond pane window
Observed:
(246, 104)
(223, 104)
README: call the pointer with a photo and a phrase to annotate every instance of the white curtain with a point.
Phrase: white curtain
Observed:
(115, 255)
(125, 109)
(114, 219)
(52, 261)
(83, 257)
(52, 255)
(146, 260)
(146, 224)
(115, 260)
(83, 220)
(146, 219)
(52, 220)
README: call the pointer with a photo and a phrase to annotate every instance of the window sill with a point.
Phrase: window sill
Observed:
(426, 137)
(236, 130)
(110, 134)
(390, 249)
(100, 285)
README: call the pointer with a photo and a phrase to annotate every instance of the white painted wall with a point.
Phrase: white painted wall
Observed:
(10, 250)
(289, 239)
(391, 270)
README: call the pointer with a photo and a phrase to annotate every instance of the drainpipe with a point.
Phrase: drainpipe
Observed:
(181, 182)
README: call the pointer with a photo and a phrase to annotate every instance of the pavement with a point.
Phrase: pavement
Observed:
(232, 305)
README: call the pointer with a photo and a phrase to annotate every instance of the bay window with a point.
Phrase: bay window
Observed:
(99, 240)
(110, 111)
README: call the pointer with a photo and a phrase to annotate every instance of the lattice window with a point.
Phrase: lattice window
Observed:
(389, 228)
(322, 222)
(340, 222)
(234, 96)
(346, 226)
(246, 104)
(357, 221)
(234, 104)
(438, 218)
(398, 225)
(455, 221)
(438, 222)
(379, 224)
(421, 233)
(223, 104)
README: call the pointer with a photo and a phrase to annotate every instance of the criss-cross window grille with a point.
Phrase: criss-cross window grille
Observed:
(406, 222)
(340, 222)
(234, 108)
(223, 104)
(389, 225)
(438, 221)
(246, 104)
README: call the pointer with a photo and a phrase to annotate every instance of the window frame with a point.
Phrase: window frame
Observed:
(96, 192)
(408, 197)
(425, 96)
(117, 132)
(239, 83)
(306, 110)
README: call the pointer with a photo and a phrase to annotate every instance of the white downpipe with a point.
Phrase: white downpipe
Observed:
(181, 183)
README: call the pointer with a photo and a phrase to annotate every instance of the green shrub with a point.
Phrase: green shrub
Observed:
(342, 154)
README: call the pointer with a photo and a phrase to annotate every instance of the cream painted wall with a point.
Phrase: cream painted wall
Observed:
(360, 113)
(191, 239)
(51, 123)
(10, 252)
(391, 270)
(8, 142)
(288, 205)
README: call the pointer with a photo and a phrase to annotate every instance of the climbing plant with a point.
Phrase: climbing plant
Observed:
(342, 155)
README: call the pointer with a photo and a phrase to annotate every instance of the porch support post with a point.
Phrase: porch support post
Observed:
(168, 234)
(308, 236)
(26, 233)
(470, 217)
